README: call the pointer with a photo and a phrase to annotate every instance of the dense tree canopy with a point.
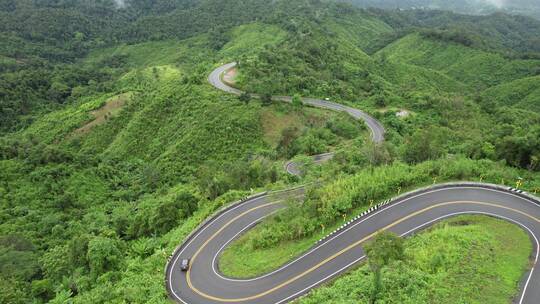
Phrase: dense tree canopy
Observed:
(113, 147)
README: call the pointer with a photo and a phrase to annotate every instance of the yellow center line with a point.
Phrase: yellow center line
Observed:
(329, 258)
(219, 231)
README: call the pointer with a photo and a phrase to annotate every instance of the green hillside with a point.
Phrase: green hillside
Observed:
(474, 7)
(522, 93)
(403, 75)
(457, 60)
(363, 31)
(113, 146)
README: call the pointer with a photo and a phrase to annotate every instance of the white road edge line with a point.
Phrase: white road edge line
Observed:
(419, 227)
(367, 119)
(340, 233)
(250, 225)
(202, 230)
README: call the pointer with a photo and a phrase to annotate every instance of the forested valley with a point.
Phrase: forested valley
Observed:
(113, 146)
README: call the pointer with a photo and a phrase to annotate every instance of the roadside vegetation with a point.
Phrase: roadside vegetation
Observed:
(113, 146)
(481, 257)
(281, 238)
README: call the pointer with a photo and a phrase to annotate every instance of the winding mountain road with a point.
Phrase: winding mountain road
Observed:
(376, 128)
(342, 249)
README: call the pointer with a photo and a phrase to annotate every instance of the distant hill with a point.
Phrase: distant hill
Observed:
(475, 7)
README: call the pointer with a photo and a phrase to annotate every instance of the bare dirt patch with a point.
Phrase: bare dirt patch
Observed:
(112, 108)
(230, 76)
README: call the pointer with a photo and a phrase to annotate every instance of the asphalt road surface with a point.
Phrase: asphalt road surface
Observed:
(342, 249)
(375, 127)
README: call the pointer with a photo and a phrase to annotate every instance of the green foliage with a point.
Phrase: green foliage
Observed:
(299, 62)
(18, 264)
(155, 215)
(522, 93)
(500, 32)
(526, 7)
(315, 140)
(345, 127)
(14, 291)
(456, 59)
(103, 255)
(455, 36)
(42, 289)
(289, 233)
(62, 297)
(248, 39)
(57, 262)
(236, 175)
(467, 253)
(266, 99)
(385, 248)
(297, 101)
(285, 145)
(245, 97)
(424, 145)
(32, 89)
(91, 206)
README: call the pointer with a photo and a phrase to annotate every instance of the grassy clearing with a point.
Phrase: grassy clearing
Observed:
(57, 125)
(467, 259)
(230, 76)
(274, 123)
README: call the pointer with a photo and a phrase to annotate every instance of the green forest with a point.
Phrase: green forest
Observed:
(113, 146)
(525, 7)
